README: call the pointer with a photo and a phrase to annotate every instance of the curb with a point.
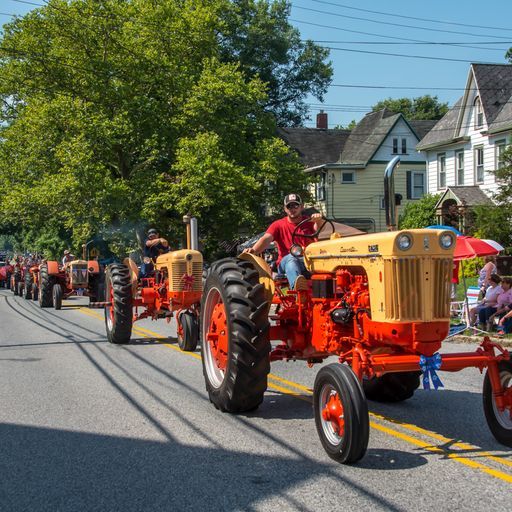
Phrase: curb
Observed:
(478, 339)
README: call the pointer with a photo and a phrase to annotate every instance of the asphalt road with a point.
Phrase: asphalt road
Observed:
(85, 425)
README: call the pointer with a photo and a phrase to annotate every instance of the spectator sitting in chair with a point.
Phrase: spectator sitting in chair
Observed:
(490, 299)
(484, 276)
(153, 247)
(488, 314)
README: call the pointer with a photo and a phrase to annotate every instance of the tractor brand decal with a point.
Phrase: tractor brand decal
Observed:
(348, 249)
(373, 248)
(426, 242)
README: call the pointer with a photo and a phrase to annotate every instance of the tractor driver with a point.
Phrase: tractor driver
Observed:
(153, 247)
(281, 232)
(67, 257)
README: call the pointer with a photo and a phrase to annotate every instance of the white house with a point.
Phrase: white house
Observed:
(466, 145)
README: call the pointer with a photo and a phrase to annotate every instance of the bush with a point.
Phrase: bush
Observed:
(419, 214)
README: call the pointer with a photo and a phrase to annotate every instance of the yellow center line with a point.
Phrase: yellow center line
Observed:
(377, 426)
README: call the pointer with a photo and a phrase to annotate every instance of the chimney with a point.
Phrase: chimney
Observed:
(321, 120)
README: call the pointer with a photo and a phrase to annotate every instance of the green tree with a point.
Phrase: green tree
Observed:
(420, 213)
(108, 105)
(422, 107)
(259, 36)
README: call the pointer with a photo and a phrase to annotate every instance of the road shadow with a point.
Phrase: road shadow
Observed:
(457, 415)
(61, 470)
(386, 460)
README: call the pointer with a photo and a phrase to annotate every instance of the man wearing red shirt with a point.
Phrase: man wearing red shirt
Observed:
(281, 232)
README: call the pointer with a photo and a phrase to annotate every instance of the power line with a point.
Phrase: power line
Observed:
(430, 20)
(378, 22)
(27, 2)
(423, 43)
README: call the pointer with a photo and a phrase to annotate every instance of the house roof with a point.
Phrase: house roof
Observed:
(315, 146)
(466, 196)
(367, 136)
(494, 84)
(422, 127)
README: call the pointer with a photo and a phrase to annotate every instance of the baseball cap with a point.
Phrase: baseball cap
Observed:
(152, 231)
(292, 198)
(66, 252)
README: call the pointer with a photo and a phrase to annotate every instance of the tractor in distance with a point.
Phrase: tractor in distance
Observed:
(379, 302)
(172, 289)
(79, 277)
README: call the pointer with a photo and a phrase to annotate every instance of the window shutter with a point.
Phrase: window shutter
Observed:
(409, 185)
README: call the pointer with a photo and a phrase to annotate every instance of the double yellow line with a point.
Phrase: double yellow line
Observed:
(304, 393)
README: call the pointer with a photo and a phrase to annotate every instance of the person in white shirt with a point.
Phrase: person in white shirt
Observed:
(490, 299)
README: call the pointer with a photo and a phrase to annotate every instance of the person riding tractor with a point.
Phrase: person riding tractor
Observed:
(281, 232)
(153, 247)
(67, 257)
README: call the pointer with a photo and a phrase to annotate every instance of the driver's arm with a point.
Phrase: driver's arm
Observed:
(156, 241)
(261, 244)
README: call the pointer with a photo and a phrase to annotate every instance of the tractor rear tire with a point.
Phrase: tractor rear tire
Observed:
(14, 283)
(57, 296)
(45, 296)
(190, 325)
(118, 316)
(392, 387)
(235, 336)
(500, 423)
(341, 413)
(35, 291)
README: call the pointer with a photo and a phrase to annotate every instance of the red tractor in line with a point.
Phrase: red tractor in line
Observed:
(378, 302)
(173, 289)
(80, 278)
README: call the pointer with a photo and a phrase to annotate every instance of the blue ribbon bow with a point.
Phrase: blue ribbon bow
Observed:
(428, 366)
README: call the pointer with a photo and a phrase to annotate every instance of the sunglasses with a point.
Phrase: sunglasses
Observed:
(292, 206)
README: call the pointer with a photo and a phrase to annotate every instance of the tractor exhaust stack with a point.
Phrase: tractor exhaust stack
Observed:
(389, 194)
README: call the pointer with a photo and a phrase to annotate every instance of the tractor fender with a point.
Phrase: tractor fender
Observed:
(264, 271)
(134, 273)
(93, 266)
(53, 267)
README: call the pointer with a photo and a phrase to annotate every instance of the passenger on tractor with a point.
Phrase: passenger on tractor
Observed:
(281, 232)
(67, 257)
(153, 247)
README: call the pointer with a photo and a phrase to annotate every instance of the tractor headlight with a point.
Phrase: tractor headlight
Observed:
(446, 240)
(404, 242)
(296, 250)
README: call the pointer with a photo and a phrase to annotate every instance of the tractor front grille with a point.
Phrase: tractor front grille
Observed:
(417, 289)
(79, 275)
(186, 274)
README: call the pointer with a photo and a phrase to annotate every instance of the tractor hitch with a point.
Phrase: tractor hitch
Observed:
(100, 305)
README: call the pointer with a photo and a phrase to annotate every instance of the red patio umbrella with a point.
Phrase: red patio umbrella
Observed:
(467, 247)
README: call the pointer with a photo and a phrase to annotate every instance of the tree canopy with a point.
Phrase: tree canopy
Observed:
(120, 113)
(421, 108)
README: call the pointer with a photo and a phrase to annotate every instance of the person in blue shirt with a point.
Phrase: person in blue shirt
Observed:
(153, 247)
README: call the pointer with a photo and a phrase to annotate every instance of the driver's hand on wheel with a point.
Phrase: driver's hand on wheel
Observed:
(249, 250)
(316, 216)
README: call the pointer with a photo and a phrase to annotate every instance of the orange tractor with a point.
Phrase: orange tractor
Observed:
(173, 289)
(379, 302)
(76, 278)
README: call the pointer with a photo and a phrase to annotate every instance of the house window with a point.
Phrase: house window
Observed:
(479, 114)
(348, 177)
(395, 146)
(441, 171)
(500, 146)
(459, 167)
(418, 185)
(479, 164)
(404, 146)
(415, 184)
(320, 188)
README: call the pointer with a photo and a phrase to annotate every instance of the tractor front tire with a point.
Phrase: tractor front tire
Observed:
(341, 413)
(45, 288)
(235, 336)
(27, 289)
(392, 387)
(190, 327)
(57, 296)
(119, 315)
(500, 422)
(35, 291)
(20, 288)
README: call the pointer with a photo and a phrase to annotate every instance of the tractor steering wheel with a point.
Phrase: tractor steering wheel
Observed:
(313, 235)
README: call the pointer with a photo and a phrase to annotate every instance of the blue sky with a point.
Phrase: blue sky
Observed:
(348, 25)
